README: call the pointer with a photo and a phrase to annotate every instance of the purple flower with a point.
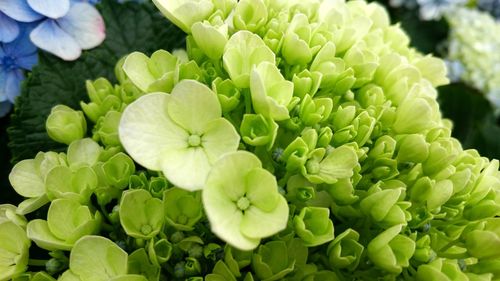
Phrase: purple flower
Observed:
(64, 28)
(15, 57)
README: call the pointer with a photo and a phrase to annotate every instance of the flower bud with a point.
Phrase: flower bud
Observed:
(65, 125)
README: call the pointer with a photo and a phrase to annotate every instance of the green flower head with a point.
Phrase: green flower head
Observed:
(181, 134)
(242, 201)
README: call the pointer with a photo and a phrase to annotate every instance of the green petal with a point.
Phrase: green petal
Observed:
(259, 224)
(243, 51)
(32, 204)
(228, 174)
(219, 137)
(339, 163)
(137, 209)
(147, 132)
(68, 275)
(262, 189)
(271, 93)
(97, 258)
(137, 70)
(192, 105)
(39, 232)
(186, 168)
(129, 277)
(210, 38)
(83, 152)
(218, 206)
(228, 230)
(26, 180)
(61, 217)
(185, 13)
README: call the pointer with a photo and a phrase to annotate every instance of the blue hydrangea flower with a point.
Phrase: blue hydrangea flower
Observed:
(434, 9)
(64, 27)
(15, 56)
(9, 30)
(490, 6)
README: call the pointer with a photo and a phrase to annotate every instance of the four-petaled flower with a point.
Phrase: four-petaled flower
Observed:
(64, 27)
(181, 134)
(242, 201)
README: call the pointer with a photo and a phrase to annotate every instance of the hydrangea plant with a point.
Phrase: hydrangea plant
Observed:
(290, 140)
(475, 63)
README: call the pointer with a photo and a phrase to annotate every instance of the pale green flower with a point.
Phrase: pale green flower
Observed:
(314, 226)
(181, 134)
(250, 15)
(28, 179)
(271, 93)
(14, 246)
(141, 215)
(243, 51)
(95, 258)
(157, 73)
(390, 250)
(185, 13)
(67, 221)
(65, 124)
(242, 201)
(211, 38)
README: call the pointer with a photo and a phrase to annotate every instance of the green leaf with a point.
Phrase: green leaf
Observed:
(129, 27)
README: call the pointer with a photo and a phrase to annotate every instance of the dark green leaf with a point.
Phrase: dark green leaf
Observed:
(129, 27)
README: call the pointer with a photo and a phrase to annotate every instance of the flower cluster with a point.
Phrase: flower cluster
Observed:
(61, 27)
(291, 140)
(433, 9)
(474, 52)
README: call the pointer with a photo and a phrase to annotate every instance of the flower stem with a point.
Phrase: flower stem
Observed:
(37, 262)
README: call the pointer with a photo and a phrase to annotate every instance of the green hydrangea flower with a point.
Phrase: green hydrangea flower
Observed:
(65, 124)
(141, 215)
(242, 201)
(314, 226)
(14, 246)
(95, 258)
(28, 179)
(67, 221)
(181, 134)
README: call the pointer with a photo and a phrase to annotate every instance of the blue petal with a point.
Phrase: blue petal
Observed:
(22, 45)
(84, 23)
(50, 37)
(5, 108)
(13, 84)
(9, 30)
(27, 62)
(3, 77)
(50, 8)
(19, 10)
